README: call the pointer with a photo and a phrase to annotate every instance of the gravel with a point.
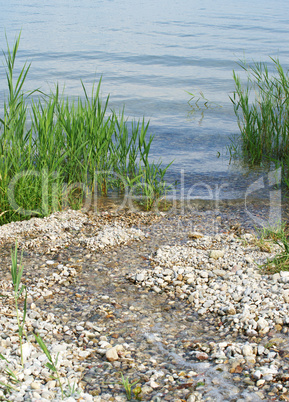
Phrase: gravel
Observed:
(194, 319)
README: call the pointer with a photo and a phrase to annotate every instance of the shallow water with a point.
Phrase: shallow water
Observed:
(158, 326)
(149, 54)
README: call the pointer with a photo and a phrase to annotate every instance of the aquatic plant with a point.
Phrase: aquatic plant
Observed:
(262, 110)
(199, 105)
(56, 152)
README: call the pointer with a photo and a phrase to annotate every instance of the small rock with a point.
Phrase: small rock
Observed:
(146, 389)
(140, 277)
(216, 254)
(153, 383)
(261, 350)
(230, 310)
(286, 295)
(112, 353)
(250, 360)
(26, 351)
(202, 356)
(35, 385)
(247, 350)
(262, 324)
(192, 298)
(275, 277)
(257, 375)
(59, 347)
(51, 384)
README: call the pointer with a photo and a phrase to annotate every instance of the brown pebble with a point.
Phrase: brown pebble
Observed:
(238, 369)
(202, 356)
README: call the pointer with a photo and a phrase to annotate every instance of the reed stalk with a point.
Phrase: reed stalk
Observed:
(262, 110)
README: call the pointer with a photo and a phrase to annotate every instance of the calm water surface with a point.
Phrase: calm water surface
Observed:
(149, 54)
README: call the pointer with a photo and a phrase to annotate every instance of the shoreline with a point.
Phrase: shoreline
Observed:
(119, 324)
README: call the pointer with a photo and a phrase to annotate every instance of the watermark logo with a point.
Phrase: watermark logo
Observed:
(55, 194)
(275, 199)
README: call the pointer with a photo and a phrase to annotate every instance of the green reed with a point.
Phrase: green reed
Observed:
(49, 143)
(262, 109)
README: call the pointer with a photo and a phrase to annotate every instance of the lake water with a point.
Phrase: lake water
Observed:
(149, 53)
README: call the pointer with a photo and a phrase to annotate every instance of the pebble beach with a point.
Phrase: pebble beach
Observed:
(177, 303)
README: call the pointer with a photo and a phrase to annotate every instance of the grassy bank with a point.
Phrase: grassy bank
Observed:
(262, 110)
(55, 152)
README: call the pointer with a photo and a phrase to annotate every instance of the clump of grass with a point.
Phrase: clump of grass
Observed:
(129, 388)
(261, 240)
(262, 109)
(55, 152)
(263, 245)
(280, 262)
